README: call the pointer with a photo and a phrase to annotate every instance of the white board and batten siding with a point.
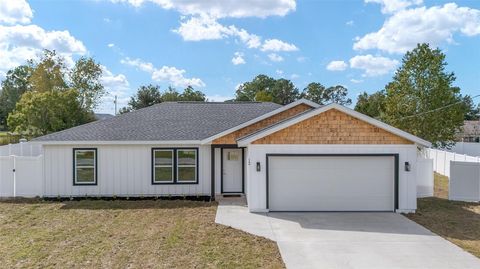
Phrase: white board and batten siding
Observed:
(123, 170)
(256, 181)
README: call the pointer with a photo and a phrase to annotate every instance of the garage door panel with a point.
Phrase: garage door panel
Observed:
(326, 183)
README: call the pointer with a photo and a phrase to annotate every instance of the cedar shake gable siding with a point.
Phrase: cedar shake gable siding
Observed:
(332, 127)
(231, 138)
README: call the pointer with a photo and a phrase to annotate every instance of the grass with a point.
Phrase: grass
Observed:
(125, 234)
(458, 222)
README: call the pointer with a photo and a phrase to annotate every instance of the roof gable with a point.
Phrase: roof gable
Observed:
(383, 130)
(284, 112)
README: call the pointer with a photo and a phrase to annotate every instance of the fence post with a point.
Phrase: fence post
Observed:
(14, 177)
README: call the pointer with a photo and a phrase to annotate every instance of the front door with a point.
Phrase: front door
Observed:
(232, 174)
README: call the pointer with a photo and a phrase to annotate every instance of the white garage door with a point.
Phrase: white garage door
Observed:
(331, 183)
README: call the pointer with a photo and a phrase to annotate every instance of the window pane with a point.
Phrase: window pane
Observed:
(85, 158)
(163, 157)
(85, 175)
(187, 157)
(163, 174)
(186, 174)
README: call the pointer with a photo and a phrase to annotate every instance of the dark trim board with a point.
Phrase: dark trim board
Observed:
(396, 168)
(174, 167)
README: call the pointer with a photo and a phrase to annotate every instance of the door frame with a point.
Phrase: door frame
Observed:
(396, 168)
(221, 170)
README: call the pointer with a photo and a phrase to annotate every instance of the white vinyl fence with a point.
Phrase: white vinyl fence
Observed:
(21, 170)
(468, 148)
(424, 177)
(21, 176)
(21, 149)
(464, 181)
(442, 159)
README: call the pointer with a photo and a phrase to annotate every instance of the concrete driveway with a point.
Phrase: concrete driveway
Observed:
(348, 240)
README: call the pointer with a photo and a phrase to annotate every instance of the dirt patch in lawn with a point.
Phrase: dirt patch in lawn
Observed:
(458, 222)
(126, 234)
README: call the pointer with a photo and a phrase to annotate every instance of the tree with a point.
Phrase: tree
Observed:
(284, 92)
(190, 94)
(248, 90)
(41, 113)
(15, 84)
(265, 88)
(49, 73)
(473, 113)
(150, 95)
(145, 96)
(372, 105)
(421, 99)
(85, 78)
(317, 93)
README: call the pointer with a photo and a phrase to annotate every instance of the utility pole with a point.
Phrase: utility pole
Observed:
(115, 102)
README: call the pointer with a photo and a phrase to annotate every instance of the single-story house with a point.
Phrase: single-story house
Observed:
(297, 157)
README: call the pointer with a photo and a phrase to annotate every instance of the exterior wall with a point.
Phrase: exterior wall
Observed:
(123, 170)
(231, 138)
(332, 127)
(256, 181)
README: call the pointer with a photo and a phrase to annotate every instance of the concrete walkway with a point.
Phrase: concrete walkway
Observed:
(348, 240)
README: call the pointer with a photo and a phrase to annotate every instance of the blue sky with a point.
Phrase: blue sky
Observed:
(216, 46)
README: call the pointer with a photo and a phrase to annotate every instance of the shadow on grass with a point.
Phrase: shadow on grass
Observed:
(101, 204)
(453, 219)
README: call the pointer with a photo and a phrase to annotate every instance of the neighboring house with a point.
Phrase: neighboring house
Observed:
(470, 131)
(297, 157)
(103, 116)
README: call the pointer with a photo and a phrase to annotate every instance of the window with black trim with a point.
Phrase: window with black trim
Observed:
(85, 166)
(163, 165)
(174, 165)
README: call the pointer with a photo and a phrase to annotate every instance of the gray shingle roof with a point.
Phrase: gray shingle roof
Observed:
(166, 121)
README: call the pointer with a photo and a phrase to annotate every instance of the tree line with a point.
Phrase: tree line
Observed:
(46, 96)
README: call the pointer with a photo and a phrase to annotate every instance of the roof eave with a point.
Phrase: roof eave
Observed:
(123, 142)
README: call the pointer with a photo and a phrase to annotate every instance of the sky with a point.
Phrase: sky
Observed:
(215, 46)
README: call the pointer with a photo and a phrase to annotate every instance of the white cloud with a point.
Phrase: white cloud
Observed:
(169, 74)
(294, 76)
(116, 85)
(279, 72)
(224, 8)
(301, 59)
(15, 11)
(392, 6)
(356, 80)
(337, 66)
(206, 27)
(435, 25)
(19, 43)
(219, 98)
(275, 57)
(372, 65)
(238, 58)
(277, 45)
(349, 23)
(111, 45)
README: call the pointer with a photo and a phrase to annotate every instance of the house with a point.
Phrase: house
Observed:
(470, 131)
(297, 157)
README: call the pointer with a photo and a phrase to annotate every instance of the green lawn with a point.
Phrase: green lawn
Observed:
(458, 222)
(125, 234)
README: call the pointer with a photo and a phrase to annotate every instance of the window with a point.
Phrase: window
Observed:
(84, 166)
(174, 165)
(186, 165)
(163, 166)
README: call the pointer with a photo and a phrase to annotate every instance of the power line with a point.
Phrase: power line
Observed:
(436, 109)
